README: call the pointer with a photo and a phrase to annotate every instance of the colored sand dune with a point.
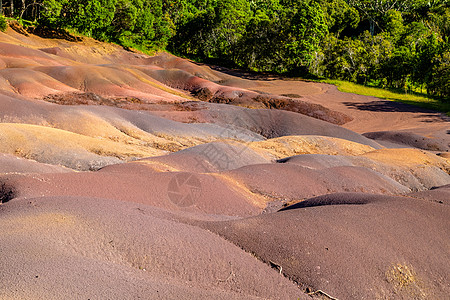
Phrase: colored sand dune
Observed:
(125, 176)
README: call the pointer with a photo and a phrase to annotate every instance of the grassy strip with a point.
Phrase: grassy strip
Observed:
(413, 98)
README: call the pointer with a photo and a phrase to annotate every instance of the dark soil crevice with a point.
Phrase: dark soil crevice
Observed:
(7, 192)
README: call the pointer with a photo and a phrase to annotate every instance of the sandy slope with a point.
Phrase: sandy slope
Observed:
(125, 176)
(354, 246)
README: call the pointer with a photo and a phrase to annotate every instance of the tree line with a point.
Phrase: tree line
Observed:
(387, 43)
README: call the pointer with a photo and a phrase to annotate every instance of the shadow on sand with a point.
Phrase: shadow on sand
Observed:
(391, 106)
(387, 106)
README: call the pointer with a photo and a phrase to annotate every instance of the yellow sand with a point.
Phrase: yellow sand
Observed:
(307, 144)
(30, 140)
(408, 158)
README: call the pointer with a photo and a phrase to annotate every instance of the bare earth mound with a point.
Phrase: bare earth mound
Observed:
(360, 246)
(65, 247)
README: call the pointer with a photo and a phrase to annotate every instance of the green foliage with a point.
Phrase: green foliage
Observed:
(346, 59)
(405, 49)
(88, 17)
(307, 29)
(131, 23)
(393, 24)
(135, 23)
(259, 48)
(339, 15)
(439, 78)
(51, 15)
(282, 39)
(259, 35)
(214, 31)
(3, 23)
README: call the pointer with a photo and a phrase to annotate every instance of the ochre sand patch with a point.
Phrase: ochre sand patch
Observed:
(49, 145)
(293, 145)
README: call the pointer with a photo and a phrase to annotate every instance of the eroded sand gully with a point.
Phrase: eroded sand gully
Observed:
(125, 176)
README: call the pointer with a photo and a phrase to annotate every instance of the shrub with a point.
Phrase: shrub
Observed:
(3, 23)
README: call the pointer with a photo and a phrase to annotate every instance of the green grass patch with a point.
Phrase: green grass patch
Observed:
(416, 99)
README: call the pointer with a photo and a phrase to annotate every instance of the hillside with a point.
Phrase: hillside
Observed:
(127, 176)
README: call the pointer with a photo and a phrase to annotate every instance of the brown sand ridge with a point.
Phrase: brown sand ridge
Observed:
(128, 176)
